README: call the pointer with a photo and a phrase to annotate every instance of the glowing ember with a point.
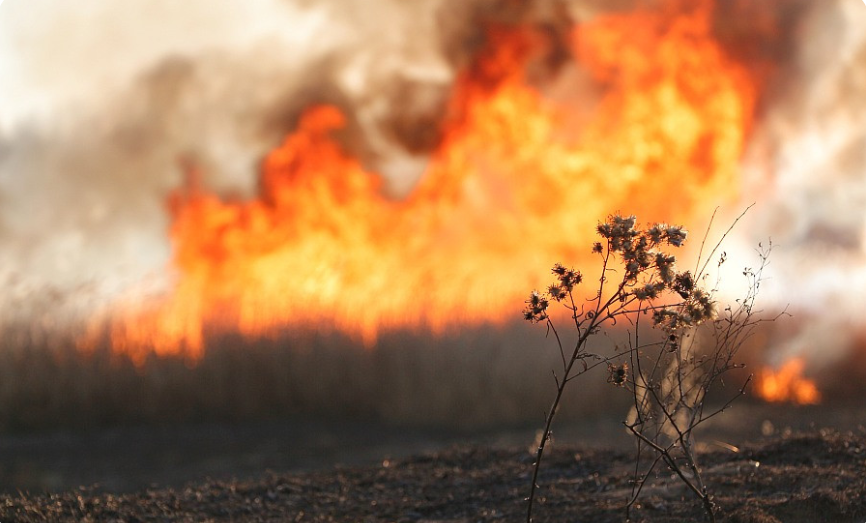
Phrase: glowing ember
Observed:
(515, 184)
(788, 384)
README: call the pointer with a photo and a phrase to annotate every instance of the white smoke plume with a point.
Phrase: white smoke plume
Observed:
(807, 171)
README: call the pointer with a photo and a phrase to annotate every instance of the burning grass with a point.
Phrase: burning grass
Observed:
(657, 123)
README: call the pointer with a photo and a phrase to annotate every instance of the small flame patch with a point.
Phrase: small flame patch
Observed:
(787, 384)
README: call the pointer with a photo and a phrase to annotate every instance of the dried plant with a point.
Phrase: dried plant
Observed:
(679, 345)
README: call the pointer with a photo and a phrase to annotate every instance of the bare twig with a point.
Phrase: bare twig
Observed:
(668, 377)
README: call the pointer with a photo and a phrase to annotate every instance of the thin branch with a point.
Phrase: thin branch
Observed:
(721, 240)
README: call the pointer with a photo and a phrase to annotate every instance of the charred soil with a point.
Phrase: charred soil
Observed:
(802, 477)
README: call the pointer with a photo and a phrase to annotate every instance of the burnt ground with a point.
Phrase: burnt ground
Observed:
(764, 463)
(799, 477)
(126, 459)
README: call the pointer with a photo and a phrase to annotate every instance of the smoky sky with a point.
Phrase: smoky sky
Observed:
(103, 101)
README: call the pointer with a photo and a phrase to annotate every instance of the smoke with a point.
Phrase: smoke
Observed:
(103, 101)
(807, 171)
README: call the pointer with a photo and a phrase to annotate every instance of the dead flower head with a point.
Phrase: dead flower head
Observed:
(566, 280)
(617, 374)
(536, 308)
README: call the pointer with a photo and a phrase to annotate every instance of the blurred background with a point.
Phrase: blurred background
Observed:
(288, 233)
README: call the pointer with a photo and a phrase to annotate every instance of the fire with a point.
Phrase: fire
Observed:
(788, 384)
(517, 182)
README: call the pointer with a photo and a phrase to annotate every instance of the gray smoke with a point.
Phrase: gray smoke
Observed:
(807, 171)
(102, 101)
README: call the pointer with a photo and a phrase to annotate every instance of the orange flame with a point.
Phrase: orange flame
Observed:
(516, 183)
(788, 384)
